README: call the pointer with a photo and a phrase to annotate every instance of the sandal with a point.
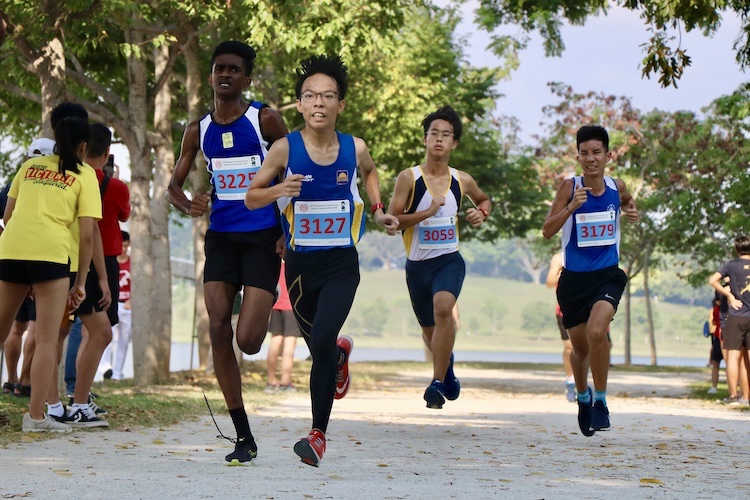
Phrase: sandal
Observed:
(22, 391)
(8, 387)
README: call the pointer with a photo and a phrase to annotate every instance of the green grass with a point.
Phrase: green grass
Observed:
(492, 318)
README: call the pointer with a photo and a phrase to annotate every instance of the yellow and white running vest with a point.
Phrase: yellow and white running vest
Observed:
(437, 235)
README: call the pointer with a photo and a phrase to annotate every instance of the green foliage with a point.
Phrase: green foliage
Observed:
(664, 54)
(535, 318)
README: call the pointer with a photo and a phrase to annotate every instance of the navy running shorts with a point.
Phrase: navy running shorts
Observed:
(425, 278)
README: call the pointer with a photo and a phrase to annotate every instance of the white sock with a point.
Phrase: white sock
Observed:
(56, 409)
(570, 380)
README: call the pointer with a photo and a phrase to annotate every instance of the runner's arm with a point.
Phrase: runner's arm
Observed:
(555, 267)
(261, 193)
(475, 216)
(559, 211)
(627, 202)
(402, 191)
(175, 194)
(372, 186)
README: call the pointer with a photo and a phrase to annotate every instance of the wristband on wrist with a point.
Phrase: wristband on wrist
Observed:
(376, 206)
(484, 212)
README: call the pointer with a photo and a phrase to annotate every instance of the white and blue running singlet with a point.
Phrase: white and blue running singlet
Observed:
(329, 212)
(234, 153)
(591, 235)
(436, 235)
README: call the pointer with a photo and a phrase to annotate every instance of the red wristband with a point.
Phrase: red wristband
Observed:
(376, 206)
(484, 211)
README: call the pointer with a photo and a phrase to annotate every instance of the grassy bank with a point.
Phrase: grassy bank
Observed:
(496, 315)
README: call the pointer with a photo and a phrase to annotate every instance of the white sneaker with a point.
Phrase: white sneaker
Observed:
(46, 425)
(712, 390)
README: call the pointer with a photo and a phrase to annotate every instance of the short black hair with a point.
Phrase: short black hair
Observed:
(742, 245)
(246, 52)
(101, 139)
(125, 235)
(330, 65)
(67, 110)
(592, 133)
(448, 114)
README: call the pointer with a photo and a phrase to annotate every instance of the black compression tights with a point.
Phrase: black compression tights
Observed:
(329, 308)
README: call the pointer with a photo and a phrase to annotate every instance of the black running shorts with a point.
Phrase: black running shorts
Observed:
(248, 259)
(577, 292)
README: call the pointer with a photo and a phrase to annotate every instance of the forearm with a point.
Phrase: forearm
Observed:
(177, 198)
(408, 220)
(97, 255)
(555, 222)
(259, 197)
(85, 250)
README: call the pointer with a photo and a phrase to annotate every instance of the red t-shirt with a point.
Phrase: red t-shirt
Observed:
(283, 303)
(115, 207)
(124, 281)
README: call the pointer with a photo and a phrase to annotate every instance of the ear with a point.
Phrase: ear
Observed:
(341, 106)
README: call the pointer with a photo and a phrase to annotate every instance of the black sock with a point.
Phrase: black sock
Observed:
(241, 425)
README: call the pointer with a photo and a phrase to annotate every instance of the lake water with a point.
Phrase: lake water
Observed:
(180, 357)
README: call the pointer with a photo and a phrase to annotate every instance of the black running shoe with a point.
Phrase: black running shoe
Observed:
(586, 415)
(600, 417)
(245, 450)
(435, 395)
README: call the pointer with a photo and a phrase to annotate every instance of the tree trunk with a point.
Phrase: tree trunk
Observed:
(647, 297)
(199, 184)
(164, 156)
(149, 298)
(628, 359)
(51, 70)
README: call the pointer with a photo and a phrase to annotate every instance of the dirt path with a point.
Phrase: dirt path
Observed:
(510, 434)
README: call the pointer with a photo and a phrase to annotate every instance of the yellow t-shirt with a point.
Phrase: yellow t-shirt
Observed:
(47, 205)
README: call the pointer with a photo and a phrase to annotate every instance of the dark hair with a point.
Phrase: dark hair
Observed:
(66, 110)
(331, 66)
(69, 134)
(125, 235)
(742, 245)
(100, 140)
(246, 52)
(448, 114)
(592, 133)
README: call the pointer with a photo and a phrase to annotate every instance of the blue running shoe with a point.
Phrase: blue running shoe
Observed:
(451, 385)
(435, 395)
(586, 415)
(600, 419)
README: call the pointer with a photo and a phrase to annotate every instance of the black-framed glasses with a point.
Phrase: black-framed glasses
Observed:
(328, 96)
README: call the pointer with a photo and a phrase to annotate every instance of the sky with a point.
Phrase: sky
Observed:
(604, 55)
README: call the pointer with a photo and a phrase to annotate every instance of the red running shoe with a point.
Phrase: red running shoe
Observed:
(346, 343)
(311, 448)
